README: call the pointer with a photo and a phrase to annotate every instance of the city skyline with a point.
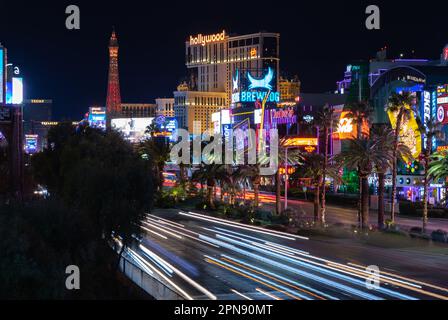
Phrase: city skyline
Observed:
(152, 63)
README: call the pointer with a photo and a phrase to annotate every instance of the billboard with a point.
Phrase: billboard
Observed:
(17, 90)
(2, 75)
(97, 117)
(31, 143)
(442, 104)
(410, 133)
(132, 129)
(348, 129)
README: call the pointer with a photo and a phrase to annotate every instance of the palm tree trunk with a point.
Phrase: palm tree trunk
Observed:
(394, 166)
(364, 202)
(325, 164)
(256, 193)
(210, 200)
(381, 187)
(426, 185)
(278, 193)
(316, 203)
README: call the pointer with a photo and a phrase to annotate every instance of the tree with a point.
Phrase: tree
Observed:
(326, 121)
(430, 130)
(99, 175)
(291, 157)
(359, 112)
(363, 154)
(438, 169)
(399, 104)
(312, 168)
(157, 151)
(385, 137)
(211, 173)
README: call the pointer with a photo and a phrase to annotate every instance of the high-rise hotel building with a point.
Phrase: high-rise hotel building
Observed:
(212, 61)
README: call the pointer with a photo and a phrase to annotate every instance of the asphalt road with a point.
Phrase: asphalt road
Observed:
(206, 258)
(348, 216)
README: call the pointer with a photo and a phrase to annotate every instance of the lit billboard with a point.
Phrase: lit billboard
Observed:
(442, 104)
(17, 90)
(97, 117)
(2, 75)
(132, 129)
(410, 133)
(31, 141)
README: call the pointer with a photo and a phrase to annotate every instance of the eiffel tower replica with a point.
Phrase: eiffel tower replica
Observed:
(113, 102)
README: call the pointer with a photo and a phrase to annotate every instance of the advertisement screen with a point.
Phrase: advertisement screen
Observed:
(132, 129)
(442, 104)
(17, 90)
(31, 143)
(2, 75)
(97, 117)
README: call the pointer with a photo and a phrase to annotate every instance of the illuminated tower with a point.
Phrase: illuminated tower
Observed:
(113, 103)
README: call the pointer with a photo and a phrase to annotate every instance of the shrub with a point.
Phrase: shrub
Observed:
(439, 236)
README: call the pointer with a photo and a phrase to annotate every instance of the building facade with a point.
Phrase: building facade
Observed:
(138, 110)
(289, 89)
(212, 62)
(165, 107)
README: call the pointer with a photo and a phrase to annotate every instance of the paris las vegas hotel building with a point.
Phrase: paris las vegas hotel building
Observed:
(212, 62)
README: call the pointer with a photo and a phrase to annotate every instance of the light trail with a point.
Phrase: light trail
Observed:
(182, 233)
(174, 285)
(268, 294)
(278, 279)
(404, 278)
(182, 275)
(255, 278)
(291, 282)
(153, 232)
(241, 295)
(305, 274)
(166, 220)
(298, 261)
(158, 261)
(238, 225)
(163, 230)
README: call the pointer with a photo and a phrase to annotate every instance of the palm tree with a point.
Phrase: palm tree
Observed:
(293, 158)
(312, 168)
(399, 104)
(360, 113)
(158, 152)
(363, 154)
(325, 120)
(438, 169)
(430, 130)
(385, 137)
(211, 173)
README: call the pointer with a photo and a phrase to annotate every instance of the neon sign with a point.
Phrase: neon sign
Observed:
(2, 74)
(203, 40)
(264, 83)
(285, 116)
(299, 142)
(252, 96)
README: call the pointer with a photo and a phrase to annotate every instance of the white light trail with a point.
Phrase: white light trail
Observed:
(182, 275)
(243, 226)
(241, 295)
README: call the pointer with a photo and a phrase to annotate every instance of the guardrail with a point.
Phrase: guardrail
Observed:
(147, 282)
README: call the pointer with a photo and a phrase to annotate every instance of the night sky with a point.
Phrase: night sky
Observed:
(317, 41)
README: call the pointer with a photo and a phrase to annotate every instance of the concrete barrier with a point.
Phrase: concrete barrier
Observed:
(153, 286)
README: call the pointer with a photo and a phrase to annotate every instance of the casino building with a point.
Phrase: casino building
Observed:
(212, 62)
(427, 80)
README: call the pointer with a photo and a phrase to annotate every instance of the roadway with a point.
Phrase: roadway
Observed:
(208, 258)
(345, 215)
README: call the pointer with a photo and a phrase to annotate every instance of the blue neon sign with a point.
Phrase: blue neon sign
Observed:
(263, 83)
